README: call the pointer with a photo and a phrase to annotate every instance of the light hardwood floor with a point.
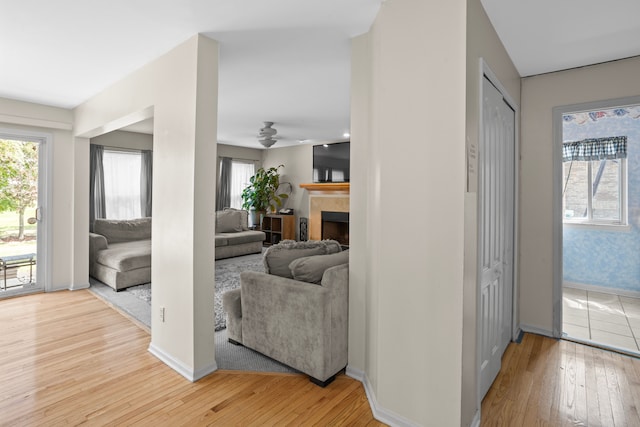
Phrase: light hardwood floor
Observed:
(66, 358)
(547, 382)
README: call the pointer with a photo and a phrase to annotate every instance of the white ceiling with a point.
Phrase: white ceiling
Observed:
(542, 36)
(285, 61)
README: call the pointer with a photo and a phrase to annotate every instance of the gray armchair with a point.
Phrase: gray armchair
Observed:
(303, 325)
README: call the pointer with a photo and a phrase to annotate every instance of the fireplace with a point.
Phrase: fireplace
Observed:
(335, 226)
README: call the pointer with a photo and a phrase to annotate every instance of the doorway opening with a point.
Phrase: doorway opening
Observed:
(22, 180)
(600, 190)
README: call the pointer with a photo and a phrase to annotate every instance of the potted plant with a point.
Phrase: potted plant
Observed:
(262, 193)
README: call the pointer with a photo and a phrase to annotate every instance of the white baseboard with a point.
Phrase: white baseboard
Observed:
(76, 287)
(180, 367)
(602, 289)
(536, 330)
(379, 413)
(476, 420)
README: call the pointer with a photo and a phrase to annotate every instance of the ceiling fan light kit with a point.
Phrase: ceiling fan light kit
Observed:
(266, 135)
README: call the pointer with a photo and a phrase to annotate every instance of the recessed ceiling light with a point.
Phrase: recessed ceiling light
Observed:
(325, 145)
(346, 134)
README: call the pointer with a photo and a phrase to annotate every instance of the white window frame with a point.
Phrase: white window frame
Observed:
(622, 196)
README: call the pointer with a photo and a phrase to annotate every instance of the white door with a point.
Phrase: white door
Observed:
(496, 222)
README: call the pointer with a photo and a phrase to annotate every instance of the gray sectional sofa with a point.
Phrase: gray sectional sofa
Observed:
(120, 250)
(297, 312)
(233, 236)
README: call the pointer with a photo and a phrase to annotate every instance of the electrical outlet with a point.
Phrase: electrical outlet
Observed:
(162, 314)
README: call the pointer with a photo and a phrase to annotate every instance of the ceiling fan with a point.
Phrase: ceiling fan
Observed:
(266, 135)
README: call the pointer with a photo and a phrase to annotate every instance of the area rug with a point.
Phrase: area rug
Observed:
(227, 278)
(136, 303)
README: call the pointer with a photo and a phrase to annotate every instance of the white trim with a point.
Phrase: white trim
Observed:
(601, 289)
(557, 220)
(617, 228)
(181, 368)
(476, 420)
(538, 331)
(30, 121)
(600, 345)
(76, 287)
(379, 413)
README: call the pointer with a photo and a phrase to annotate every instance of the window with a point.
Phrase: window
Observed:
(122, 184)
(595, 179)
(241, 172)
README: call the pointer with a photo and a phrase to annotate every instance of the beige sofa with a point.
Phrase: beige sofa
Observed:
(298, 311)
(120, 252)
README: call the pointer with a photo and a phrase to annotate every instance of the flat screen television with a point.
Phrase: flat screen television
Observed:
(331, 162)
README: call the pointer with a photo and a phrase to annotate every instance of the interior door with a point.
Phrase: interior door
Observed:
(496, 222)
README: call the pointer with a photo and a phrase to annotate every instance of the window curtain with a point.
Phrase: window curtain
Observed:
(122, 183)
(595, 149)
(146, 182)
(96, 184)
(223, 199)
(241, 173)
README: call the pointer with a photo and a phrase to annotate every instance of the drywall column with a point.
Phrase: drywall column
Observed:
(80, 214)
(417, 169)
(361, 284)
(179, 90)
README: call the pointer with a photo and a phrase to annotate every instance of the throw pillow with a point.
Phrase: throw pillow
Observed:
(278, 257)
(310, 269)
(228, 222)
(244, 217)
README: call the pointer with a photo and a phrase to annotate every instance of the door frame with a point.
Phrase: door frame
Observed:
(485, 71)
(44, 242)
(557, 239)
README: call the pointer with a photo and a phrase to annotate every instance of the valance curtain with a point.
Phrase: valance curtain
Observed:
(609, 148)
(96, 184)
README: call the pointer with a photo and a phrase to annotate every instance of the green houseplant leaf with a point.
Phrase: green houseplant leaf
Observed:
(262, 192)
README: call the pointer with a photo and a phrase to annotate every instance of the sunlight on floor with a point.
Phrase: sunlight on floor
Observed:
(602, 318)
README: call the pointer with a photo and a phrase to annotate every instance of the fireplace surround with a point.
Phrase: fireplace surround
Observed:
(335, 226)
(330, 197)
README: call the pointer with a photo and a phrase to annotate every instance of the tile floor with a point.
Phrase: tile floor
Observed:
(602, 318)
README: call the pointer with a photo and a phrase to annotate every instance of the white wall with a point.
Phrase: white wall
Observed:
(180, 90)
(298, 169)
(482, 42)
(413, 353)
(57, 122)
(123, 139)
(539, 95)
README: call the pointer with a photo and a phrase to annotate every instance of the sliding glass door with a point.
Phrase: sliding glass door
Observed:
(20, 214)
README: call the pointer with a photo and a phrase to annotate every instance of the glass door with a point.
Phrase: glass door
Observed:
(20, 215)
